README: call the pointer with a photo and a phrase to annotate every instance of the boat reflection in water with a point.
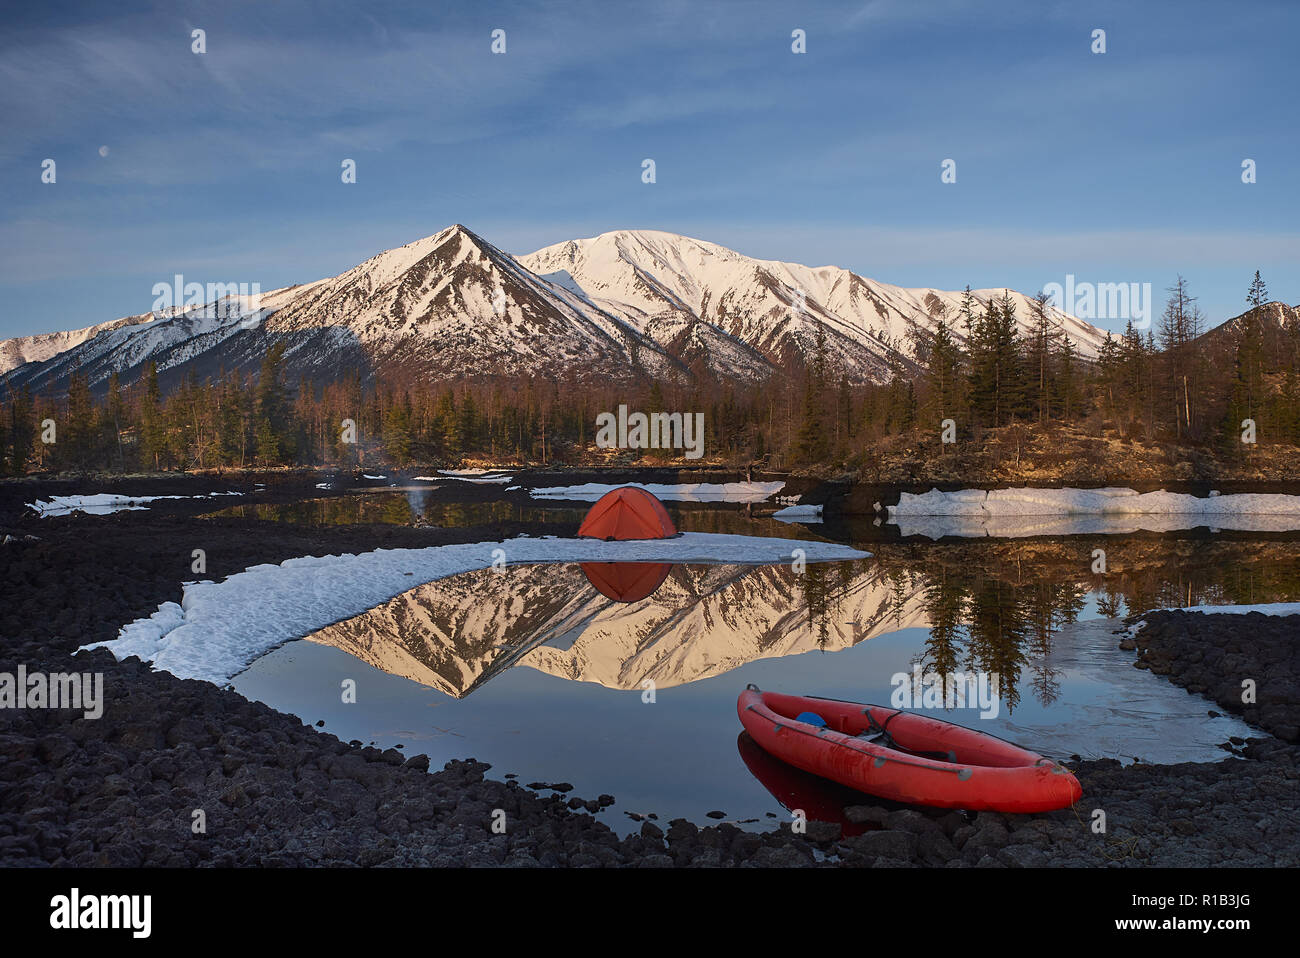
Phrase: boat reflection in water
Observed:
(820, 799)
(626, 581)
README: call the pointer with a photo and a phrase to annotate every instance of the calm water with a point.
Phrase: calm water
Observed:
(537, 672)
(436, 506)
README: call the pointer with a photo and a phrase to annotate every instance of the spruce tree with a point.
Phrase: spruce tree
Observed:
(153, 436)
(1042, 346)
(1258, 292)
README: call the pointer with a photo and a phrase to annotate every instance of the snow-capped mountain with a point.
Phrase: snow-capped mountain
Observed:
(457, 633)
(449, 305)
(452, 305)
(671, 286)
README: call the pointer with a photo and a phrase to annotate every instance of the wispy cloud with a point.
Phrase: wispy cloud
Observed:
(231, 159)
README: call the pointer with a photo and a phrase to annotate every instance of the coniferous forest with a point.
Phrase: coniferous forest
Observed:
(975, 373)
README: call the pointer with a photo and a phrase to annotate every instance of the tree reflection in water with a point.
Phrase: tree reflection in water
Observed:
(996, 606)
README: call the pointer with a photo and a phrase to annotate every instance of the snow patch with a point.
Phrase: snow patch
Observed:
(1026, 512)
(681, 492)
(104, 503)
(466, 475)
(1267, 608)
(220, 627)
(799, 514)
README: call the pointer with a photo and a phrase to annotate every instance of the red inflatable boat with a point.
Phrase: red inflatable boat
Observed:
(904, 756)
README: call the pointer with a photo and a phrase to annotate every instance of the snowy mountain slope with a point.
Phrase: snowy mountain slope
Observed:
(659, 281)
(457, 633)
(449, 305)
(173, 339)
(34, 349)
(452, 305)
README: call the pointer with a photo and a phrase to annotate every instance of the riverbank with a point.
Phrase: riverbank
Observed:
(123, 789)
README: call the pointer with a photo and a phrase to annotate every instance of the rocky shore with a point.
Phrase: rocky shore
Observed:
(123, 790)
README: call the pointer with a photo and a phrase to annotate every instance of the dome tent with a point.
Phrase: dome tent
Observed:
(627, 513)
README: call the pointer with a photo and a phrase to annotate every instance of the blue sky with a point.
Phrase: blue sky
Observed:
(225, 166)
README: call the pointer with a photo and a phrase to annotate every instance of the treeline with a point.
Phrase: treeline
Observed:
(236, 421)
(973, 370)
(1168, 383)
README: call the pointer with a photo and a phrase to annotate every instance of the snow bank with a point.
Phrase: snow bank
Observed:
(799, 514)
(1026, 512)
(1268, 608)
(104, 503)
(1011, 527)
(220, 627)
(681, 492)
(467, 475)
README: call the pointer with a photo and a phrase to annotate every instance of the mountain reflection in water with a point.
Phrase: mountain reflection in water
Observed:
(990, 608)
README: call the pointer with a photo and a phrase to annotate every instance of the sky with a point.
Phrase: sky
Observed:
(226, 165)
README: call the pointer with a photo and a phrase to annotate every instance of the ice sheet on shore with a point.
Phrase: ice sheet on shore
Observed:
(220, 627)
(1267, 608)
(799, 514)
(1112, 510)
(680, 492)
(1113, 710)
(467, 475)
(104, 503)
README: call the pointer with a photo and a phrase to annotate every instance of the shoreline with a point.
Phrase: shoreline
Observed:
(122, 790)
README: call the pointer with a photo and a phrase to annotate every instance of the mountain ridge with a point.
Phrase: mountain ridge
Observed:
(451, 305)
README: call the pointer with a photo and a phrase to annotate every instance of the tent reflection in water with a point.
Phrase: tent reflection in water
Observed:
(628, 512)
(626, 581)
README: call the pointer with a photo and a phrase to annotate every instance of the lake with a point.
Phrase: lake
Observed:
(536, 670)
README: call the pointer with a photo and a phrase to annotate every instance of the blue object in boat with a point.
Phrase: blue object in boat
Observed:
(811, 718)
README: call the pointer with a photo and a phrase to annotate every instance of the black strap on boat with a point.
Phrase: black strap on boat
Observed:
(880, 733)
(880, 736)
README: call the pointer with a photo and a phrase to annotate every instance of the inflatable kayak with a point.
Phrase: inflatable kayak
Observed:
(903, 756)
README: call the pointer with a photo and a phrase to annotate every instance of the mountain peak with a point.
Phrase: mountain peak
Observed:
(620, 304)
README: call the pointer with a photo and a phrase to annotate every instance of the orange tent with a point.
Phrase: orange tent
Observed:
(627, 513)
(626, 581)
